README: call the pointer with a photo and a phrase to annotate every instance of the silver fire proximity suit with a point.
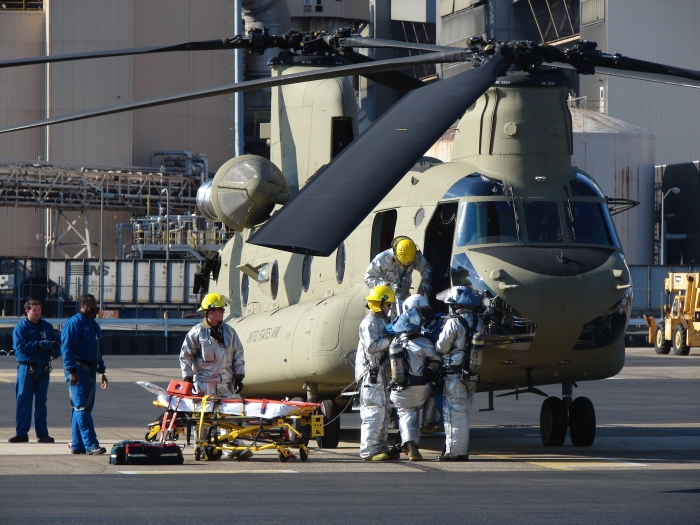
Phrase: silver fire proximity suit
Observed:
(410, 398)
(372, 352)
(457, 394)
(213, 364)
(385, 269)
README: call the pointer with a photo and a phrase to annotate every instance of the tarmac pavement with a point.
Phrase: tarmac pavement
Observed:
(643, 467)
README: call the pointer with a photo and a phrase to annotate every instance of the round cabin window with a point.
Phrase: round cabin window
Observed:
(306, 273)
(245, 286)
(274, 280)
(418, 219)
(340, 263)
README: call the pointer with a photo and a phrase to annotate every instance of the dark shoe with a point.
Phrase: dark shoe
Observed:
(96, 451)
(394, 453)
(77, 451)
(449, 457)
(45, 439)
(18, 439)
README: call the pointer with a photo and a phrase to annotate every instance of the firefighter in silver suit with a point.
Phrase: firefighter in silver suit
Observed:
(394, 268)
(458, 391)
(421, 363)
(212, 355)
(371, 374)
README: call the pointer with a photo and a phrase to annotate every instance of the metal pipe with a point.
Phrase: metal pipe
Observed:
(237, 78)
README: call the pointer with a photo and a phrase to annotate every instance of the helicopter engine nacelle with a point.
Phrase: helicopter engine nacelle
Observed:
(243, 192)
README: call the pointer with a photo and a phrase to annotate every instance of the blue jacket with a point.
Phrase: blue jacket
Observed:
(25, 341)
(81, 341)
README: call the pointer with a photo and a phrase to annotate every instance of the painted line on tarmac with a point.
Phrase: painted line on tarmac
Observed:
(168, 472)
(558, 463)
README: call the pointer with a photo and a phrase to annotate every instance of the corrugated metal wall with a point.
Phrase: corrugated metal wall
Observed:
(72, 26)
(202, 126)
(22, 90)
(20, 227)
(75, 26)
(663, 32)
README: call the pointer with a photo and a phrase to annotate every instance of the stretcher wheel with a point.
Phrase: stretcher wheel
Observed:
(303, 454)
(283, 458)
(197, 454)
(151, 438)
(213, 454)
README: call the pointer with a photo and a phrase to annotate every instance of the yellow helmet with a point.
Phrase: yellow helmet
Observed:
(404, 250)
(212, 300)
(381, 294)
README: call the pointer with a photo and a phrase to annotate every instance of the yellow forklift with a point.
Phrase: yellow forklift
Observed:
(680, 326)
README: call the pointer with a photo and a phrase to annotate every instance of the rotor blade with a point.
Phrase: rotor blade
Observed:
(333, 72)
(397, 80)
(650, 77)
(322, 215)
(205, 45)
(378, 43)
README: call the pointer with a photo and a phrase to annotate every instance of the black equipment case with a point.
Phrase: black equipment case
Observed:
(144, 453)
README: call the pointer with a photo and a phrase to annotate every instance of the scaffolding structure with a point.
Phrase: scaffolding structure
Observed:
(64, 187)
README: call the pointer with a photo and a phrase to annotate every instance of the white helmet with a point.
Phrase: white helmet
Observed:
(415, 301)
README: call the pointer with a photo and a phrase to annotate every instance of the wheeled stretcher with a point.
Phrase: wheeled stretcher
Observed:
(239, 426)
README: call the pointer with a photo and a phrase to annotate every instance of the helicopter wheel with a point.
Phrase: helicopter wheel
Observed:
(331, 425)
(553, 422)
(582, 422)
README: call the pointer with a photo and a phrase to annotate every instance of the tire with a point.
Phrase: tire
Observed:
(213, 454)
(680, 340)
(303, 454)
(553, 422)
(660, 344)
(282, 457)
(331, 425)
(582, 423)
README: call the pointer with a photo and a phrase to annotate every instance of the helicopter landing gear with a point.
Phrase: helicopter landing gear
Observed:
(553, 422)
(331, 424)
(577, 414)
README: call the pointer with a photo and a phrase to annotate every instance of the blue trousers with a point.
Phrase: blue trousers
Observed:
(26, 392)
(82, 399)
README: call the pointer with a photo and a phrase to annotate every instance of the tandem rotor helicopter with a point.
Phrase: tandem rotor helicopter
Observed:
(509, 216)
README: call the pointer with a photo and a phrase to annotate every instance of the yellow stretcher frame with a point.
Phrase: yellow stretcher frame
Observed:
(265, 435)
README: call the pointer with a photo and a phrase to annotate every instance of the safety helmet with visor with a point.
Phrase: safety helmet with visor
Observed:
(459, 296)
(211, 301)
(405, 250)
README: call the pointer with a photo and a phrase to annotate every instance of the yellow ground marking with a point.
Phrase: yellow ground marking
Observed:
(169, 472)
(559, 463)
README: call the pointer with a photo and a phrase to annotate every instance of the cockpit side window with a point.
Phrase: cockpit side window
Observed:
(589, 226)
(487, 222)
(542, 221)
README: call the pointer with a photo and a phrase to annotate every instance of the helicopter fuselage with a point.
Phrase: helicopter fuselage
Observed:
(554, 304)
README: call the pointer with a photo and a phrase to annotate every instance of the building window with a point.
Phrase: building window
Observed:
(319, 6)
(307, 6)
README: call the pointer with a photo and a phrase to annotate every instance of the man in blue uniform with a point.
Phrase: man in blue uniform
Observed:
(33, 341)
(81, 345)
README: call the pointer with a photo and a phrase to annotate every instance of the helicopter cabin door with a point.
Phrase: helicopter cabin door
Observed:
(437, 248)
(383, 229)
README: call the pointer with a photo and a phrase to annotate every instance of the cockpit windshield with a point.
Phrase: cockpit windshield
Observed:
(487, 222)
(542, 221)
(589, 224)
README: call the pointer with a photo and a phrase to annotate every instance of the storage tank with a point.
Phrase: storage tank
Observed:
(620, 157)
